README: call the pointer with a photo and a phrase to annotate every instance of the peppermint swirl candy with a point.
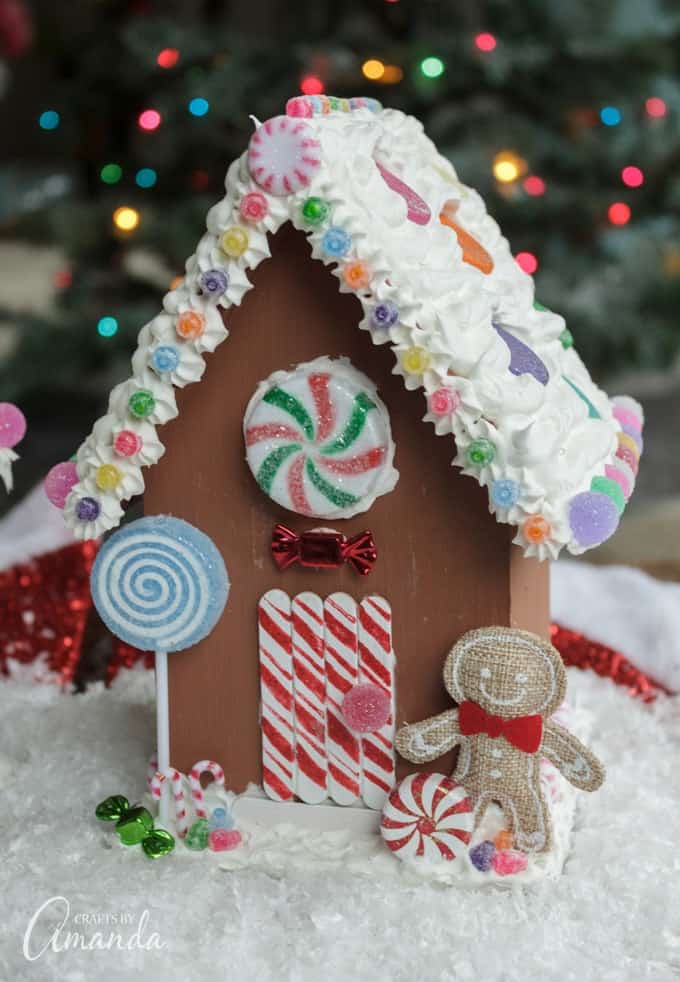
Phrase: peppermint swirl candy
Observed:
(318, 440)
(428, 818)
(159, 584)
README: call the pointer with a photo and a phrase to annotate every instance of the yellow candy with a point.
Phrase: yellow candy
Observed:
(628, 441)
(235, 241)
(107, 477)
(415, 361)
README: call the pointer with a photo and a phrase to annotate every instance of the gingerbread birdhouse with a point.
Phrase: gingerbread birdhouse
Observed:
(355, 395)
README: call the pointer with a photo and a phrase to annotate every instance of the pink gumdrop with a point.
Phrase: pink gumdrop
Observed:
(222, 840)
(444, 401)
(299, 107)
(366, 708)
(627, 417)
(625, 453)
(12, 425)
(59, 481)
(614, 474)
(509, 861)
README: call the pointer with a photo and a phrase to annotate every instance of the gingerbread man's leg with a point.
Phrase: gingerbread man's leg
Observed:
(530, 818)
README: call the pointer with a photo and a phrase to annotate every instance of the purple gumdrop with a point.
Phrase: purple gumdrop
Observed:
(481, 856)
(523, 361)
(214, 282)
(593, 517)
(87, 509)
(634, 435)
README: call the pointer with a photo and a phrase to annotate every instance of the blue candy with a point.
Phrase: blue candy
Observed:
(220, 819)
(159, 584)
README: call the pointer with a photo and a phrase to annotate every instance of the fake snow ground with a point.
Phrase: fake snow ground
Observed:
(612, 915)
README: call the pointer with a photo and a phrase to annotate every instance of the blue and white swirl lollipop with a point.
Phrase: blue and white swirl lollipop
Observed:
(160, 584)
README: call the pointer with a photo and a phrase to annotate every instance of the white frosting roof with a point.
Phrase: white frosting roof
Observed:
(497, 371)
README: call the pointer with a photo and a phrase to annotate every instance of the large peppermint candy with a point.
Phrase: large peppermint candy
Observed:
(159, 584)
(427, 818)
(283, 155)
(318, 440)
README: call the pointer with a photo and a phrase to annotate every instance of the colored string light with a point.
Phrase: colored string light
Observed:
(62, 279)
(146, 177)
(655, 106)
(311, 85)
(610, 115)
(125, 218)
(432, 67)
(111, 173)
(392, 75)
(533, 185)
(200, 180)
(199, 106)
(149, 119)
(508, 166)
(49, 119)
(632, 177)
(107, 327)
(373, 69)
(619, 213)
(527, 261)
(167, 58)
(485, 42)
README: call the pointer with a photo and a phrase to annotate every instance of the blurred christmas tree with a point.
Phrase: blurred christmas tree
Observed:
(565, 116)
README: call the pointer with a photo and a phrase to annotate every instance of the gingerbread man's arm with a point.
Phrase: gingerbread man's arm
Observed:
(574, 761)
(419, 742)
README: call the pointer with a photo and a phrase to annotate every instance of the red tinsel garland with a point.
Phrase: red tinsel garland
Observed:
(45, 603)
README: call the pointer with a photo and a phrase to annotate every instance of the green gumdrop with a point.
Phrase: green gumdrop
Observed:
(197, 836)
(112, 808)
(134, 826)
(158, 843)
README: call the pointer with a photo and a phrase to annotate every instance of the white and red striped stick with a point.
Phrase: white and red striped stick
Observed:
(175, 778)
(376, 665)
(199, 768)
(342, 673)
(309, 696)
(276, 689)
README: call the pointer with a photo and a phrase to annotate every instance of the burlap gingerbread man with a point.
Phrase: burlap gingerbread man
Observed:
(507, 683)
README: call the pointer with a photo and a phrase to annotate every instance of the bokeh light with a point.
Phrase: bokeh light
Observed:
(527, 261)
(126, 218)
(149, 119)
(619, 213)
(146, 177)
(508, 166)
(311, 85)
(610, 115)
(655, 106)
(49, 119)
(62, 279)
(432, 67)
(392, 75)
(632, 177)
(107, 327)
(373, 69)
(167, 58)
(111, 173)
(199, 106)
(485, 42)
(534, 185)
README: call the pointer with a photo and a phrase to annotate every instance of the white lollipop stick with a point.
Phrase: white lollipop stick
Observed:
(162, 729)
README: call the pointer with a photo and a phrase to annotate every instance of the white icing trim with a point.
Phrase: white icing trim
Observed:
(544, 438)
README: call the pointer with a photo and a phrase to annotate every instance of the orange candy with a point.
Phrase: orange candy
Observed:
(356, 275)
(474, 252)
(190, 324)
(536, 529)
(503, 840)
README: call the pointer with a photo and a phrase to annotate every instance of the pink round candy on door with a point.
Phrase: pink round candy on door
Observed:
(253, 207)
(12, 425)
(59, 482)
(127, 443)
(443, 402)
(223, 840)
(366, 708)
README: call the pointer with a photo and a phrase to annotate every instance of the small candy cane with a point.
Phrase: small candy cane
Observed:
(202, 767)
(151, 769)
(175, 778)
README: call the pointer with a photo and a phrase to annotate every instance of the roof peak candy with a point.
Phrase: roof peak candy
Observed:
(438, 285)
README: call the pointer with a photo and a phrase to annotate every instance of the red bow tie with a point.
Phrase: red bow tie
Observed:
(323, 550)
(523, 732)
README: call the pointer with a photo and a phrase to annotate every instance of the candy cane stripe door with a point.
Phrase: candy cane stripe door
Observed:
(314, 655)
